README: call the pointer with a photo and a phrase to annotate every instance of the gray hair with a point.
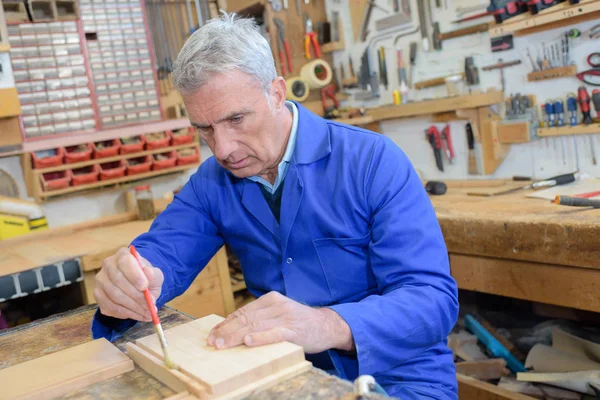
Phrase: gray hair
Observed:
(222, 45)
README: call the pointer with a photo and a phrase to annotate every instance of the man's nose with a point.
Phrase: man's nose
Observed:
(224, 144)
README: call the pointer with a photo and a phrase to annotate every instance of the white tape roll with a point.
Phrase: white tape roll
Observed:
(317, 73)
(297, 89)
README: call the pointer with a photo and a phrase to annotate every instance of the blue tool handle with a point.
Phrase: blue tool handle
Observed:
(492, 344)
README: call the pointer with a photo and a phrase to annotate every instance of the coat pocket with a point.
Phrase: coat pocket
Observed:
(346, 266)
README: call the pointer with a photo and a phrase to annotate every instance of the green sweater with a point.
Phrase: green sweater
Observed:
(273, 200)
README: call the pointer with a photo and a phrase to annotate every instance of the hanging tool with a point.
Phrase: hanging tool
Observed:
(472, 17)
(501, 65)
(549, 107)
(283, 47)
(188, 8)
(199, 13)
(310, 38)
(413, 59)
(435, 140)
(382, 67)
(436, 188)
(572, 107)
(551, 182)
(595, 32)
(559, 110)
(502, 43)
(439, 37)
(471, 72)
(596, 101)
(545, 117)
(299, 7)
(423, 24)
(471, 145)
(155, 320)
(584, 103)
(592, 75)
(402, 77)
(447, 144)
(333, 111)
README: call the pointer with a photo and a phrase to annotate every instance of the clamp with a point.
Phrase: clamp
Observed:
(310, 37)
(283, 46)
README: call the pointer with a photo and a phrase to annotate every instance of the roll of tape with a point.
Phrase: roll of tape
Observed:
(297, 89)
(317, 73)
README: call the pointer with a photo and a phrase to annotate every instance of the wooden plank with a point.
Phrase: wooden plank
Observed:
(552, 73)
(473, 389)
(10, 104)
(223, 372)
(544, 283)
(67, 370)
(436, 106)
(517, 132)
(484, 370)
(225, 281)
(569, 130)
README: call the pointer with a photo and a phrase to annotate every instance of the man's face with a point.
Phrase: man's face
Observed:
(232, 114)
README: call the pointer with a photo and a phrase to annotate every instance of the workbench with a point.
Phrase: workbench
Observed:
(63, 331)
(526, 248)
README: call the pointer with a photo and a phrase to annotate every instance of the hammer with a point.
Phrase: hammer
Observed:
(438, 37)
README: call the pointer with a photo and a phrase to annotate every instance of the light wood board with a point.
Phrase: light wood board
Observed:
(227, 373)
(59, 373)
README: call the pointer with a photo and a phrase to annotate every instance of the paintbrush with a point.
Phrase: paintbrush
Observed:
(155, 321)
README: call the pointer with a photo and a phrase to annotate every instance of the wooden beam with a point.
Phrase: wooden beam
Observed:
(544, 283)
(484, 370)
(473, 389)
(67, 370)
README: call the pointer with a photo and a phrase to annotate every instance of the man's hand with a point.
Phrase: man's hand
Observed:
(120, 285)
(275, 318)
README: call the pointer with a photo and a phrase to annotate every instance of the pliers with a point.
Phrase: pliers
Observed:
(283, 47)
(310, 37)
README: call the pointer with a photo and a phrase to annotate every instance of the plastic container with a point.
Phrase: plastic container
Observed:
(112, 170)
(128, 148)
(110, 148)
(85, 175)
(40, 161)
(182, 136)
(74, 154)
(55, 180)
(139, 165)
(144, 202)
(152, 144)
(164, 164)
(188, 159)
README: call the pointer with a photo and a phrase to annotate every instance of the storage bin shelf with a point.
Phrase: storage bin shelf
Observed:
(116, 158)
(109, 182)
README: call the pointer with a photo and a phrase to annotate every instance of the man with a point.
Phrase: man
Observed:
(332, 226)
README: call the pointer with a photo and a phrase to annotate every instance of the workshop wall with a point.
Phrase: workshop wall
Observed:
(540, 158)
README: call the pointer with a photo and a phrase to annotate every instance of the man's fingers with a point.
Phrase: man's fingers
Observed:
(132, 271)
(116, 277)
(275, 335)
(237, 338)
(244, 320)
(117, 296)
(110, 309)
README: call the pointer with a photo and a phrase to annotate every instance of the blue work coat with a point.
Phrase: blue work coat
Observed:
(357, 233)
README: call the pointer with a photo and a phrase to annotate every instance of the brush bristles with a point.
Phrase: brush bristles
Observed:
(163, 343)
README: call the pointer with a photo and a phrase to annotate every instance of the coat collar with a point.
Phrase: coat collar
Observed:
(313, 142)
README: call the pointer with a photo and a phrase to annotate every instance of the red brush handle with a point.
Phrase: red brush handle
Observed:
(147, 295)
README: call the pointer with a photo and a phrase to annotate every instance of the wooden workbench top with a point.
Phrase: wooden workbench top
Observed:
(514, 226)
(66, 330)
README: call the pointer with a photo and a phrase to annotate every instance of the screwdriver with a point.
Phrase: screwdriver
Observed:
(572, 107)
(559, 109)
(596, 101)
(435, 140)
(550, 182)
(584, 104)
(549, 107)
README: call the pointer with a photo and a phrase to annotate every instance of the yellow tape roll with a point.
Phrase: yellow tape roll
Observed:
(297, 89)
(317, 73)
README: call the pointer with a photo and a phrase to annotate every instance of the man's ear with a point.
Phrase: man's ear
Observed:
(278, 93)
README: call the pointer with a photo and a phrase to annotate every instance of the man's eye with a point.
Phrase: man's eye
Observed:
(204, 129)
(237, 119)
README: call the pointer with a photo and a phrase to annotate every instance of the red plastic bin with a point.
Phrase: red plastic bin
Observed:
(132, 147)
(159, 143)
(182, 136)
(112, 170)
(191, 159)
(46, 162)
(111, 148)
(72, 156)
(84, 175)
(55, 180)
(164, 164)
(145, 163)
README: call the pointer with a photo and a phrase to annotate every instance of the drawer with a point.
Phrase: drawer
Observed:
(9, 103)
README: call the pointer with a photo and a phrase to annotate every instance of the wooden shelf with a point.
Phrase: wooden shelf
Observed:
(4, 47)
(569, 130)
(115, 158)
(107, 134)
(95, 185)
(560, 15)
(552, 73)
(366, 119)
(428, 107)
